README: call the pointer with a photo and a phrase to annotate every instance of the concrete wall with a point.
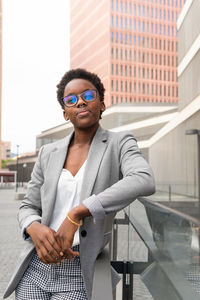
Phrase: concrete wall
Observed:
(189, 81)
(174, 159)
(189, 29)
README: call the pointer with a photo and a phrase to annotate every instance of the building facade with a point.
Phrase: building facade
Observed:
(5, 150)
(131, 44)
(172, 153)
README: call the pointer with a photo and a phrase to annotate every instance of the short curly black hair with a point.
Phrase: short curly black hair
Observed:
(83, 74)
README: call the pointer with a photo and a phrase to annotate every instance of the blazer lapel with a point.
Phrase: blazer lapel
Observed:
(54, 169)
(95, 155)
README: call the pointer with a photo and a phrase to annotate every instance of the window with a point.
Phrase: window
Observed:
(116, 69)
(116, 5)
(143, 57)
(125, 23)
(121, 38)
(130, 24)
(130, 87)
(112, 99)
(130, 71)
(112, 69)
(143, 72)
(134, 71)
(121, 22)
(134, 24)
(125, 70)
(121, 54)
(130, 54)
(111, 36)
(112, 53)
(143, 26)
(125, 7)
(116, 21)
(111, 21)
(126, 86)
(130, 39)
(112, 85)
(138, 10)
(117, 86)
(152, 89)
(139, 26)
(121, 7)
(125, 38)
(116, 37)
(152, 28)
(143, 88)
(130, 8)
(111, 4)
(121, 86)
(134, 10)
(143, 10)
(139, 57)
(121, 70)
(125, 54)
(116, 53)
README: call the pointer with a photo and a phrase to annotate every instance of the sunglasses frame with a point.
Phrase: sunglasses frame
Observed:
(80, 95)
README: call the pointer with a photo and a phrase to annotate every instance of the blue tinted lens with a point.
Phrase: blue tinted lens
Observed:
(89, 95)
(70, 100)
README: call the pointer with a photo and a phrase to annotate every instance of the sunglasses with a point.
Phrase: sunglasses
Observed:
(87, 96)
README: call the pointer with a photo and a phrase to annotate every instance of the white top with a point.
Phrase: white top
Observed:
(68, 196)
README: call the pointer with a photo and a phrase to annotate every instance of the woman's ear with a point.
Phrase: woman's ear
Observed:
(103, 107)
(65, 115)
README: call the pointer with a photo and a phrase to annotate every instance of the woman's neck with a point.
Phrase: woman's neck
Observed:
(84, 136)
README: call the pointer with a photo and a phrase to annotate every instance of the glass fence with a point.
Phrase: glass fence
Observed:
(161, 242)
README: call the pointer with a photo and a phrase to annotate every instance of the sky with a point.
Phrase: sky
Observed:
(35, 57)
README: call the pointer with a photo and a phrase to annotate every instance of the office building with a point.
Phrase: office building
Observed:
(131, 45)
(173, 153)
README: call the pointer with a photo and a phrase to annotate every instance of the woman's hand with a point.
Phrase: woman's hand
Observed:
(65, 237)
(46, 244)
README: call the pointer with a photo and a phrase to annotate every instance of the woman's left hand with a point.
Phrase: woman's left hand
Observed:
(65, 237)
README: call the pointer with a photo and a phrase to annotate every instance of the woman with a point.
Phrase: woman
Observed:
(79, 182)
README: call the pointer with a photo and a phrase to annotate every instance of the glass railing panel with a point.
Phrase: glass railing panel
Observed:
(172, 239)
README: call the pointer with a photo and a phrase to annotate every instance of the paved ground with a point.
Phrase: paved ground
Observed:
(11, 243)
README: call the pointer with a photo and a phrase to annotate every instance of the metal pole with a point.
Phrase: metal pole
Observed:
(17, 168)
(198, 152)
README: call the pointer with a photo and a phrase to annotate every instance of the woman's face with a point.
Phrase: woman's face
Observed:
(83, 114)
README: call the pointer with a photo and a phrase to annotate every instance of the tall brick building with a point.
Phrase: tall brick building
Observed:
(131, 44)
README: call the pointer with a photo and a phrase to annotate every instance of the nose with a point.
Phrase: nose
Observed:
(80, 102)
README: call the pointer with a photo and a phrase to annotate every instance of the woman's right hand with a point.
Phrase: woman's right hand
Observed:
(44, 239)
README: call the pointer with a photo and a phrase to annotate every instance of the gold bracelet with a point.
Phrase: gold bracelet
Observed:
(73, 222)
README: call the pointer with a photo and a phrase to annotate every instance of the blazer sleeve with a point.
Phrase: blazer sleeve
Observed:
(30, 208)
(138, 180)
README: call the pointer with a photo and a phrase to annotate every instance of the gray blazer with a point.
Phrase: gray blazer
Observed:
(115, 175)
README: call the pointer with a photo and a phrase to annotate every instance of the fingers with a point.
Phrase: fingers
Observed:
(70, 254)
(47, 253)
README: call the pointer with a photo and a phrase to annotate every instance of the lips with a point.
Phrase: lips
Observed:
(83, 112)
